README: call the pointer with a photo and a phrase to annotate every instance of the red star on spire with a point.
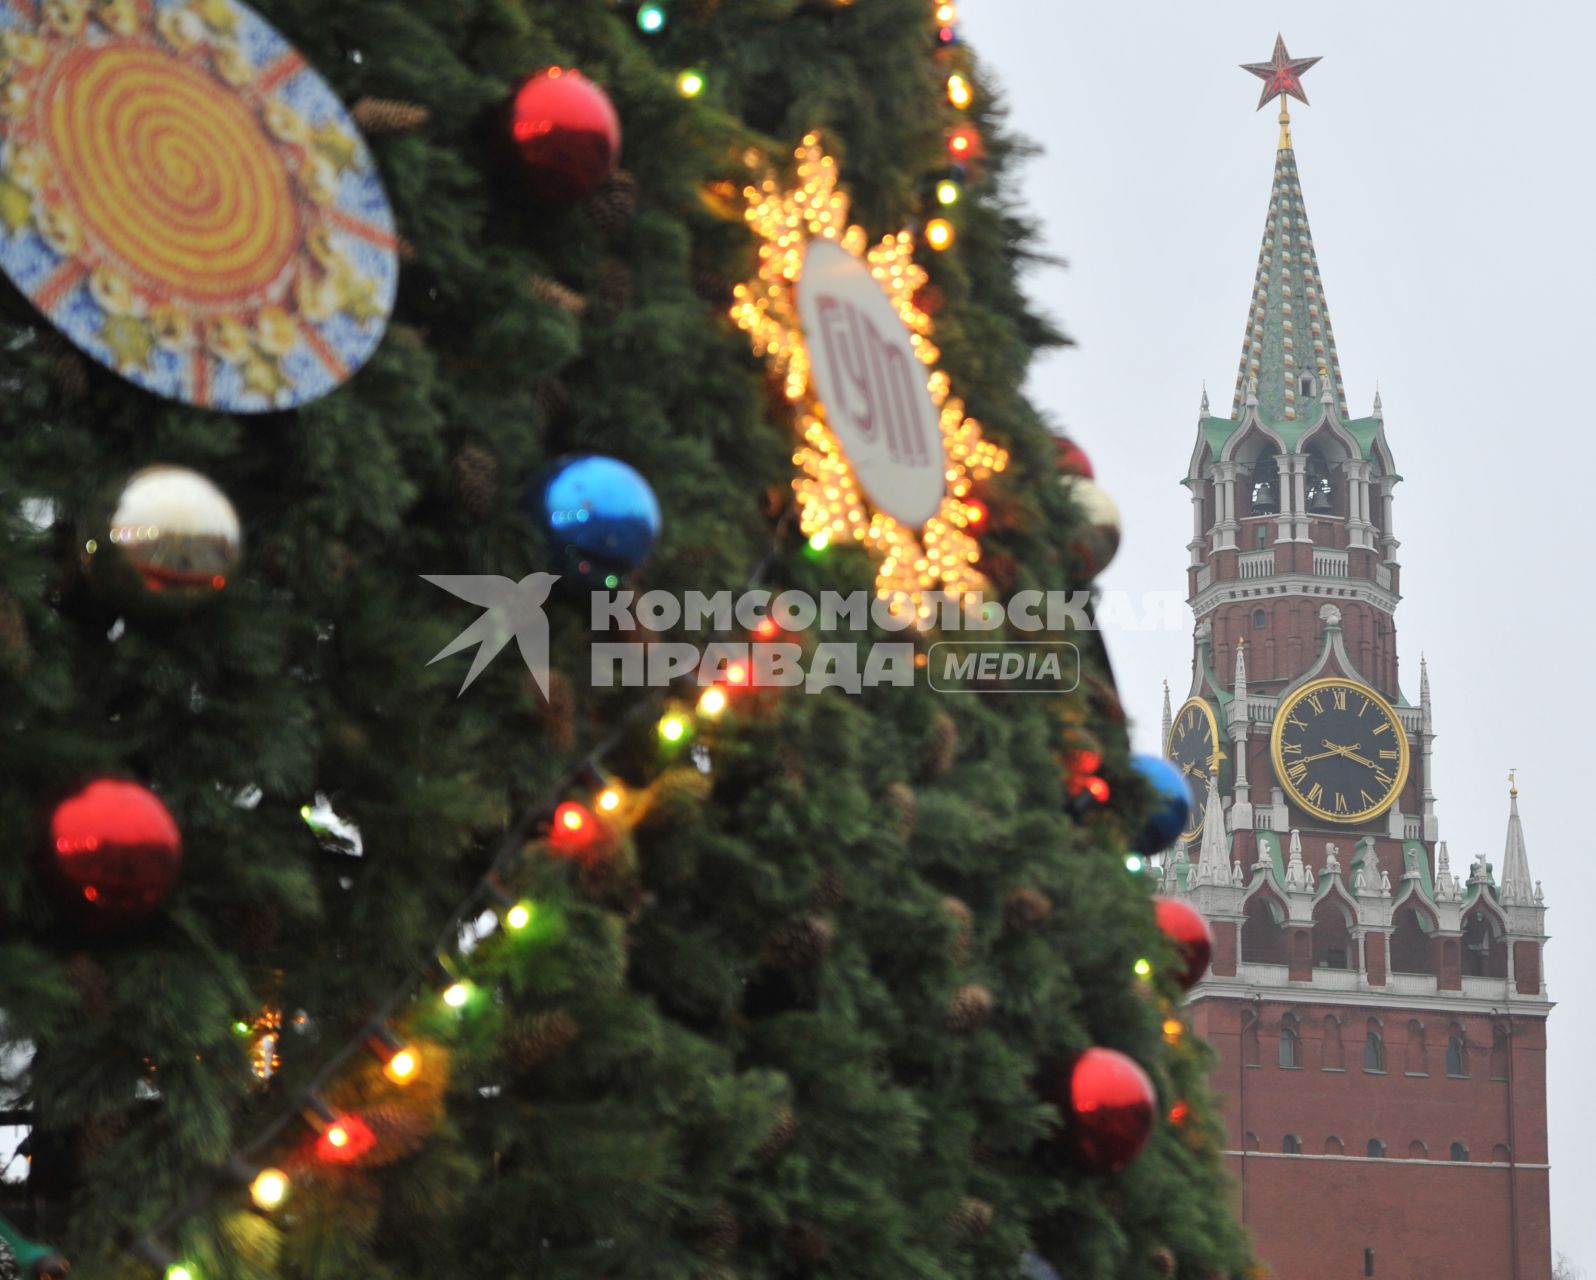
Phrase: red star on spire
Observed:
(1281, 76)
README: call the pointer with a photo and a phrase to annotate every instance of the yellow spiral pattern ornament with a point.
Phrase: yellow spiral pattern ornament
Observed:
(188, 201)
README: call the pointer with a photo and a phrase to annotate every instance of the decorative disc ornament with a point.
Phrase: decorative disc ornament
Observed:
(1189, 934)
(1108, 1106)
(887, 456)
(176, 532)
(114, 852)
(188, 201)
(597, 512)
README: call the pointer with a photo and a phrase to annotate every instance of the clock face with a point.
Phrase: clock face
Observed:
(1194, 747)
(1339, 750)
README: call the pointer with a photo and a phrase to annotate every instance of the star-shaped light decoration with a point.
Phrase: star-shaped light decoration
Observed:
(1282, 75)
(912, 564)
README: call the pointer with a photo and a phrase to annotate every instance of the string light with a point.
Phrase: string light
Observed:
(673, 727)
(947, 14)
(400, 1062)
(820, 540)
(767, 629)
(975, 511)
(1135, 863)
(1173, 1030)
(1143, 968)
(651, 18)
(712, 702)
(518, 916)
(269, 1188)
(574, 830)
(964, 143)
(939, 234)
(959, 92)
(947, 192)
(609, 800)
(690, 83)
(456, 995)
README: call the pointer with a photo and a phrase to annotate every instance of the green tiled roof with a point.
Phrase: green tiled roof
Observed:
(1288, 325)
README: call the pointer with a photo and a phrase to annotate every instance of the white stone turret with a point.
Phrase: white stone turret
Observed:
(1241, 816)
(1432, 823)
(1169, 722)
(1518, 888)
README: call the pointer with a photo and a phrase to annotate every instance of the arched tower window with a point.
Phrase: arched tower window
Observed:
(1320, 489)
(1263, 934)
(1307, 385)
(1418, 1151)
(1290, 1043)
(1457, 1053)
(1373, 1047)
(1460, 1153)
(1332, 936)
(1265, 491)
(1260, 619)
(1375, 1150)
(1484, 952)
(1500, 1154)
(1291, 1145)
(1411, 951)
(1416, 1058)
(1499, 1054)
(1333, 1146)
(1330, 1044)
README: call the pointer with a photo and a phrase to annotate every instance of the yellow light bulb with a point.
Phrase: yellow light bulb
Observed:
(1172, 1029)
(712, 703)
(959, 91)
(947, 14)
(690, 84)
(672, 728)
(609, 800)
(179, 1272)
(338, 1136)
(269, 1189)
(456, 994)
(518, 917)
(1144, 968)
(947, 192)
(939, 233)
(403, 1066)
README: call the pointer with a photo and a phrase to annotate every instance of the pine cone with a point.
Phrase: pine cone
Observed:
(612, 206)
(782, 1132)
(806, 1243)
(556, 713)
(971, 1006)
(799, 944)
(964, 918)
(89, 979)
(553, 398)
(1163, 1262)
(556, 294)
(67, 367)
(541, 1038)
(388, 115)
(14, 651)
(713, 288)
(902, 804)
(972, 1217)
(614, 284)
(944, 745)
(400, 1132)
(718, 1232)
(474, 479)
(1026, 908)
(831, 891)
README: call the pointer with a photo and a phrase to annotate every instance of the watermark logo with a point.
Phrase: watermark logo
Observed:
(514, 611)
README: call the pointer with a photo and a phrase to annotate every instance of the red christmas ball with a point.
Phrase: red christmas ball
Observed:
(1071, 459)
(1189, 934)
(114, 852)
(567, 131)
(1108, 1106)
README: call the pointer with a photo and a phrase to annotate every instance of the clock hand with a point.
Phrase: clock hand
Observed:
(1350, 753)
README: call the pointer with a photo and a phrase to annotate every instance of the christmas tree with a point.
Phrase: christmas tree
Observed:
(315, 964)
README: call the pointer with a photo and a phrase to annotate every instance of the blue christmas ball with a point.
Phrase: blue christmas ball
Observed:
(1171, 804)
(599, 515)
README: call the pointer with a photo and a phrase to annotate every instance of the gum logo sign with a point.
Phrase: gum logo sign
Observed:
(872, 385)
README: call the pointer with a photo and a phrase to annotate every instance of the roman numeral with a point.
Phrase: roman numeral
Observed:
(1292, 720)
(1341, 803)
(1368, 800)
(1313, 701)
(1297, 773)
(1383, 727)
(1339, 697)
(1383, 778)
(1366, 705)
(1291, 748)
(1315, 793)
(1388, 755)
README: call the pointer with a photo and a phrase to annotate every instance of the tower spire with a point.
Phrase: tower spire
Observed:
(1289, 348)
(1518, 890)
(1169, 722)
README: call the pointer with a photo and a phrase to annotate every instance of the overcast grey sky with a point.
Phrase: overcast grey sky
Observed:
(1445, 164)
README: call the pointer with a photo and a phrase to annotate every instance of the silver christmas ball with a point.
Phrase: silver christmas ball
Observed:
(176, 532)
(1100, 540)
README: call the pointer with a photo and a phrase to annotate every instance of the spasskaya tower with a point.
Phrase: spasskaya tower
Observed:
(1380, 1014)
